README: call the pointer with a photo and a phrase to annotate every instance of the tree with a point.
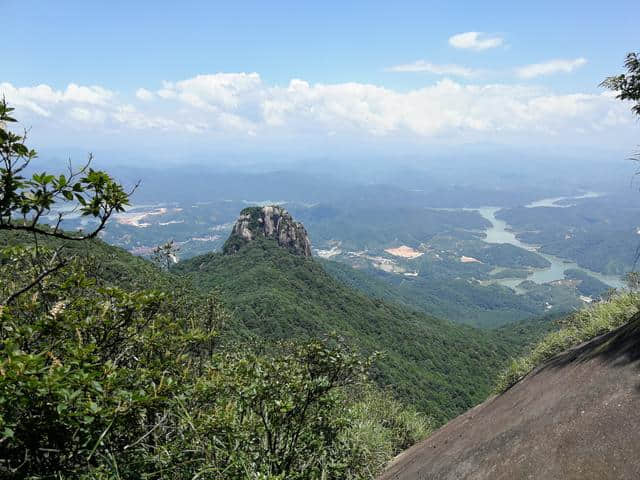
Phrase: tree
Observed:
(628, 88)
(165, 255)
(89, 370)
(26, 201)
(275, 412)
(627, 85)
(102, 380)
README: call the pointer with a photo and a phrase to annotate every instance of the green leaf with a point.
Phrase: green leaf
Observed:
(97, 386)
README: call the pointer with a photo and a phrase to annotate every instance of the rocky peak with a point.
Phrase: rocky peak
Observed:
(269, 222)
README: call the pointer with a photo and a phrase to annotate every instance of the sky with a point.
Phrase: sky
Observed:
(318, 78)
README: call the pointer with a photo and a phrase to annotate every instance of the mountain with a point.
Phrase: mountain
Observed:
(276, 291)
(574, 417)
(272, 222)
(110, 346)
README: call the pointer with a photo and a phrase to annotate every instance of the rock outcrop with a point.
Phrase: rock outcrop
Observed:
(272, 222)
(574, 418)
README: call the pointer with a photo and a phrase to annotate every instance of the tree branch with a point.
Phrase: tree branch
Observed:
(11, 298)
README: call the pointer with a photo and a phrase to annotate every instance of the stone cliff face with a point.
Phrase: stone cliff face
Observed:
(268, 222)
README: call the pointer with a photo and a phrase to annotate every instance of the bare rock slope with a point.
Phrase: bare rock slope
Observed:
(268, 222)
(576, 417)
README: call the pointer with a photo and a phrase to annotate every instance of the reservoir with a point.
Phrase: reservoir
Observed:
(499, 232)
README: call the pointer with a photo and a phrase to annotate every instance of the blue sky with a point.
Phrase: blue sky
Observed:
(400, 74)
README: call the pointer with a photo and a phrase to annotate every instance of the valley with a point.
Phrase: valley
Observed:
(468, 264)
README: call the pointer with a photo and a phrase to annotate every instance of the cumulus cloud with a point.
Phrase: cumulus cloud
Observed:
(216, 91)
(41, 98)
(241, 105)
(86, 115)
(551, 67)
(477, 41)
(92, 95)
(85, 106)
(424, 66)
(144, 94)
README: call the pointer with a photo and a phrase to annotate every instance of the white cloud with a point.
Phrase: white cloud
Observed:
(477, 41)
(86, 115)
(92, 95)
(220, 90)
(445, 108)
(423, 66)
(236, 106)
(144, 94)
(41, 98)
(27, 97)
(549, 68)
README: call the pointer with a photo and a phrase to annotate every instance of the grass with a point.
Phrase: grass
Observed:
(384, 427)
(579, 327)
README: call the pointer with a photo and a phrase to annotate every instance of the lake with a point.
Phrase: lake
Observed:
(499, 232)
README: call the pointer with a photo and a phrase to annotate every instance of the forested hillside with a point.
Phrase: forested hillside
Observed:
(111, 348)
(112, 368)
(455, 299)
(274, 294)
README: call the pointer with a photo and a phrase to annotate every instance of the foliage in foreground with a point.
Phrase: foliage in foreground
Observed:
(381, 427)
(102, 381)
(25, 201)
(627, 85)
(87, 367)
(580, 327)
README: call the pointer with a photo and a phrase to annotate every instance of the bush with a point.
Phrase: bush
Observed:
(101, 382)
(382, 427)
(274, 414)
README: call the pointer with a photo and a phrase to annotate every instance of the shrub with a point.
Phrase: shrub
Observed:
(382, 427)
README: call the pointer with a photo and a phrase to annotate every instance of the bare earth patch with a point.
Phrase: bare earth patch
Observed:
(464, 259)
(134, 219)
(404, 252)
